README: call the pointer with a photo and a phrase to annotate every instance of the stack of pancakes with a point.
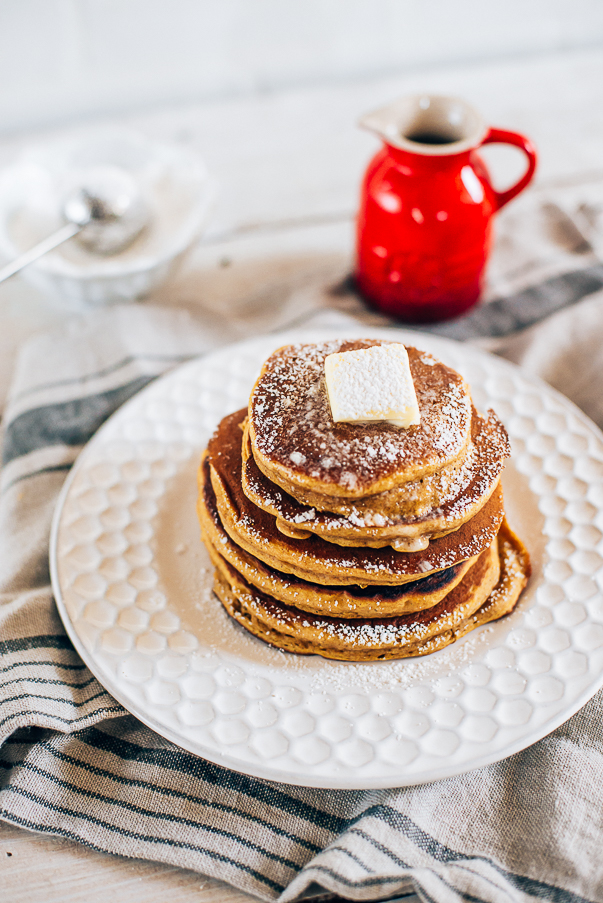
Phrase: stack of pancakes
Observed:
(358, 541)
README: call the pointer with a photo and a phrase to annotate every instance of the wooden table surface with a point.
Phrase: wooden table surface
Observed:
(289, 165)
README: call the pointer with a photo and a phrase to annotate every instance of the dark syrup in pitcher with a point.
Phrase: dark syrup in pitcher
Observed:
(430, 138)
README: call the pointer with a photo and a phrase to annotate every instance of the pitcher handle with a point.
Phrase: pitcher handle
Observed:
(501, 136)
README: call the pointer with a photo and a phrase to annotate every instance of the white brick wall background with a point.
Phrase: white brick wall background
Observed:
(65, 60)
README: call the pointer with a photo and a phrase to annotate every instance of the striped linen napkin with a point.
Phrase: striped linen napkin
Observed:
(75, 764)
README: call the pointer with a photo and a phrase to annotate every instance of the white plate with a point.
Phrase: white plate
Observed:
(133, 585)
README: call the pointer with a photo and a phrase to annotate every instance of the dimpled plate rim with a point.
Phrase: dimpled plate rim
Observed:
(338, 725)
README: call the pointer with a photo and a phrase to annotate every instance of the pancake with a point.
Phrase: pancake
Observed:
(488, 590)
(313, 558)
(296, 443)
(361, 525)
(345, 602)
(411, 499)
(358, 639)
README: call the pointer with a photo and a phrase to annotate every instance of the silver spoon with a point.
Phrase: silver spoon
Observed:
(106, 212)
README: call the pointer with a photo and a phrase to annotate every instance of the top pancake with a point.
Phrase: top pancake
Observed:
(296, 442)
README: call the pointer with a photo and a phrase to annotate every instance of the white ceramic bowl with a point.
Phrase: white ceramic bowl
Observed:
(173, 181)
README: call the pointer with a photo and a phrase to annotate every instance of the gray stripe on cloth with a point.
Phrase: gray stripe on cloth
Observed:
(507, 315)
(71, 422)
(153, 815)
(105, 371)
(56, 700)
(390, 854)
(491, 319)
(442, 853)
(40, 662)
(56, 468)
(171, 792)
(263, 791)
(20, 644)
(133, 835)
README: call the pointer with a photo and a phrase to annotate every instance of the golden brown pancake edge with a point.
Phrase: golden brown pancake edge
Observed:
(357, 525)
(372, 601)
(487, 592)
(315, 559)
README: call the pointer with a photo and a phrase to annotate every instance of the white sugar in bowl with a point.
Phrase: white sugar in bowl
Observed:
(173, 184)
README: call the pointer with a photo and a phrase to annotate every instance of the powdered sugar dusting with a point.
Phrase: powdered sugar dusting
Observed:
(291, 415)
(473, 481)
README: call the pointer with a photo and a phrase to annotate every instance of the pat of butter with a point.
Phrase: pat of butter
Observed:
(372, 384)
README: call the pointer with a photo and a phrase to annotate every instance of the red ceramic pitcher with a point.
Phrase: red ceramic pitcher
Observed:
(425, 219)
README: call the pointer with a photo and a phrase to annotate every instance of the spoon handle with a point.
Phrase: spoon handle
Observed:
(43, 247)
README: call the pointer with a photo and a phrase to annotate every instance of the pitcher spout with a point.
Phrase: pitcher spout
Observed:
(431, 125)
